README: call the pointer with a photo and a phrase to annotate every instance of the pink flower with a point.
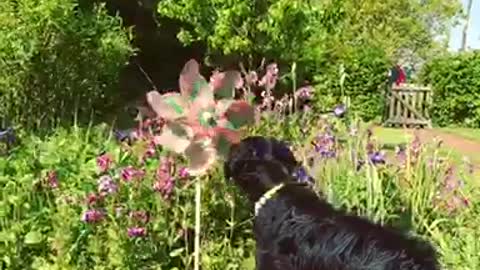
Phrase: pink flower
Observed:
(52, 179)
(92, 216)
(103, 162)
(106, 185)
(137, 232)
(129, 173)
(183, 173)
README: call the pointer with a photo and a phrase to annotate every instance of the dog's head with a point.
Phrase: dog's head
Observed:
(257, 164)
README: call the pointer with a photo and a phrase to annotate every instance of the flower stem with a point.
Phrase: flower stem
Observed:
(198, 193)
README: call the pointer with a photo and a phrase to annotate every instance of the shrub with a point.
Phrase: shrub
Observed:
(58, 61)
(364, 76)
(456, 88)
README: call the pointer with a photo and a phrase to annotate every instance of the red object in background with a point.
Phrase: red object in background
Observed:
(402, 77)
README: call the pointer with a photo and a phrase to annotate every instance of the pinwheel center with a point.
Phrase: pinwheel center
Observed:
(208, 119)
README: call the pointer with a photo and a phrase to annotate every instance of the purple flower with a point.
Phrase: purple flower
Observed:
(129, 173)
(164, 187)
(107, 185)
(92, 216)
(52, 179)
(340, 110)
(103, 162)
(325, 145)
(183, 173)
(137, 232)
(8, 135)
(377, 158)
(302, 176)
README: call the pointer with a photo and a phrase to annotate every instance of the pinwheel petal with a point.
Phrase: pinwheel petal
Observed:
(224, 84)
(205, 98)
(224, 138)
(201, 157)
(240, 113)
(169, 106)
(191, 81)
(175, 137)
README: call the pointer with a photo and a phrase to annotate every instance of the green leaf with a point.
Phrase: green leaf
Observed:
(176, 252)
(33, 237)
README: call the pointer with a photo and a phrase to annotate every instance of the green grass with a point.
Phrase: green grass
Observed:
(467, 133)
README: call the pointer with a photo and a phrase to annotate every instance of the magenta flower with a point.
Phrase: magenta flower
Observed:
(92, 216)
(104, 162)
(52, 179)
(183, 173)
(106, 185)
(129, 173)
(137, 232)
(92, 199)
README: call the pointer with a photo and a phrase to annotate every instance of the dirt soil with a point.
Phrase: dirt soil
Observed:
(461, 144)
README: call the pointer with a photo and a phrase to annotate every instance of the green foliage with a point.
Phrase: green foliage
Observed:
(456, 88)
(364, 72)
(41, 224)
(58, 61)
(365, 36)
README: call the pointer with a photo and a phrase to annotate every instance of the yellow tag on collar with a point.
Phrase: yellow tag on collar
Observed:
(268, 195)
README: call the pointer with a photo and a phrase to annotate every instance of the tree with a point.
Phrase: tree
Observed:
(466, 26)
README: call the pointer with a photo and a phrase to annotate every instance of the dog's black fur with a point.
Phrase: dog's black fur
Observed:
(298, 230)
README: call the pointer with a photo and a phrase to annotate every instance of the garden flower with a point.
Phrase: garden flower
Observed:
(305, 92)
(92, 216)
(302, 176)
(141, 216)
(269, 80)
(183, 173)
(340, 110)
(103, 162)
(325, 145)
(251, 78)
(106, 185)
(137, 232)
(377, 157)
(8, 136)
(52, 179)
(130, 173)
(196, 124)
(93, 198)
(164, 181)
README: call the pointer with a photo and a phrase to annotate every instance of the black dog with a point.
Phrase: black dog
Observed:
(297, 229)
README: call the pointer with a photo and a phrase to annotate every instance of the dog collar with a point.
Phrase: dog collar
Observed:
(267, 196)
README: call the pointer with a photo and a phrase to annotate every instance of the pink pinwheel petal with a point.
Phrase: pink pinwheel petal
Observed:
(175, 137)
(224, 84)
(240, 113)
(222, 106)
(191, 81)
(201, 156)
(169, 106)
(204, 99)
(224, 138)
